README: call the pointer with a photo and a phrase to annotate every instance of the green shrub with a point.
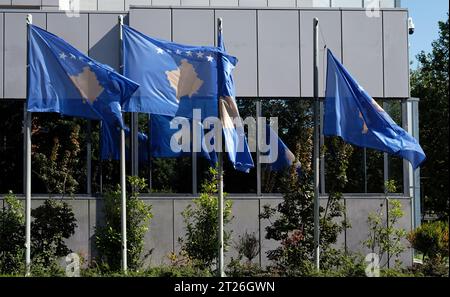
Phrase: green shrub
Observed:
(384, 238)
(201, 240)
(108, 238)
(54, 222)
(12, 236)
(294, 226)
(431, 239)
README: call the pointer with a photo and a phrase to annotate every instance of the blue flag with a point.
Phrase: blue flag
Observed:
(233, 128)
(162, 136)
(62, 79)
(110, 144)
(283, 158)
(174, 78)
(356, 117)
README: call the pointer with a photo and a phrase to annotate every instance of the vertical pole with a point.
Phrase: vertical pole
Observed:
(258, 162)
(124, 200)
(365, 169)
(134, 144)
(220, 263)
(122, 174)
(322, 156)
(28, 171)
(316, 156)
(150, 178)
(89, 158)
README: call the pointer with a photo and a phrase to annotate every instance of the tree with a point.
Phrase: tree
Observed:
(430, 83)
(201, 242)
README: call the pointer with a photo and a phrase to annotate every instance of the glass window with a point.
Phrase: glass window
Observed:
(11, 146)
(295, 129)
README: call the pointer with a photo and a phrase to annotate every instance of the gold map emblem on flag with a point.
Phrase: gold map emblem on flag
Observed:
(184, 80)
(378, 108)
(87, 84)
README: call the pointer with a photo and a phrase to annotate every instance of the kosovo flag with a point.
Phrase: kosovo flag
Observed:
(110, 144)
(233, 128)
(279, 155)
(62, 79)
(165, 138)
(356, 117)
(174, 78)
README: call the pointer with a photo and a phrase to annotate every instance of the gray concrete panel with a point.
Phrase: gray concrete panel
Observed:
(329, 36)
(111, 5)
(179, 228)
(281, 3)
(363, 50)
(15, 38)
(129, 3)
(153, 22)
(26, 2)
(245, 220)
(72, 30)
(104, 38)
(194, 27)
(240, 40)
(358, 211)
(195, 2)
(159, 238)
(224, 2)
(278, 53)
(396, 60)
(405, 222)
(253, 3)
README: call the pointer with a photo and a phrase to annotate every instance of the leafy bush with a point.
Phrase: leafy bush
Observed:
(108, 238)
(431, 239)
(54, 221)
(201, 240)
(12, 235)
(384, 238)
(294, 227)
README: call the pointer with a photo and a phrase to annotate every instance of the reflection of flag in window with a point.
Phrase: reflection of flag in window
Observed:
(62, 79)
(279, 155)
(356, 117)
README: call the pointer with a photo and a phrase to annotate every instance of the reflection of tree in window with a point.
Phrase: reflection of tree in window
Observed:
(295, 128)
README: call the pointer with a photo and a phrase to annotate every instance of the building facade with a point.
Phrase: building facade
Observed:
(273, 41)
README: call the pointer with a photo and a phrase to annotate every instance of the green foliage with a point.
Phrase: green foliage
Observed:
(294, 227)
(431, 239)
(201, 220)
(12, 234)
(384, 238)
(430, 83)
(108, 238)
(56, 167)
(54, 221)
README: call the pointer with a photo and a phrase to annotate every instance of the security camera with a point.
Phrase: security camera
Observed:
(411, 26)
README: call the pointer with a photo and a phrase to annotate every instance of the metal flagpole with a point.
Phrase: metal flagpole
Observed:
(316, 162)
(122, 175)
(89, 158)
(220, 263)
(28, 172)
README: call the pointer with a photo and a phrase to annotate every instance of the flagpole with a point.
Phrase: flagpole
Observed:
(122, 173)
(220, 263)
(316, 157)
(28, 172)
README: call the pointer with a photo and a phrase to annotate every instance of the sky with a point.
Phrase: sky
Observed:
(426, 15)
